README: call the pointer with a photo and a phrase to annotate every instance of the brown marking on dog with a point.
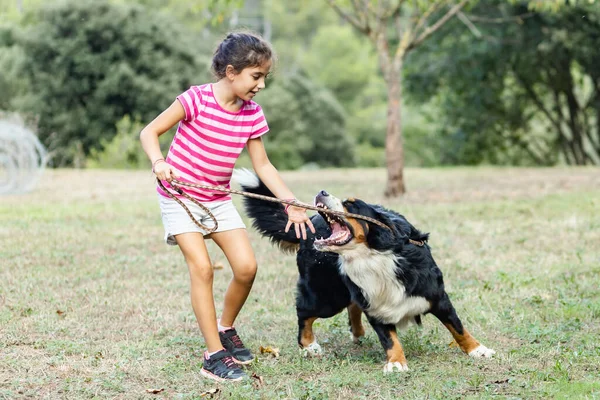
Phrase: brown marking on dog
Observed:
(396, 353)
(307, 336)
(360, 234)
(466, 342)
(356, 326)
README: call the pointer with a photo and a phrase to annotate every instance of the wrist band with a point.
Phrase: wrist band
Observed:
(156, 162)
(288, 205)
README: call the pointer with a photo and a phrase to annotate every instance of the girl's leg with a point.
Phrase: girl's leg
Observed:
(201, 286)
(236, 247)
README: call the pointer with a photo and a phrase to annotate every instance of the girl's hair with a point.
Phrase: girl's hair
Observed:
(241, 50)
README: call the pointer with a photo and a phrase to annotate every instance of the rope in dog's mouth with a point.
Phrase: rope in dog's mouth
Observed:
(176, 185)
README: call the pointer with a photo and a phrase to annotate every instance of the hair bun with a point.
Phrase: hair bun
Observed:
(240, 50)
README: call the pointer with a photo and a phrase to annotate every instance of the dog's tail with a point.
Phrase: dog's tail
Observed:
(267, 217)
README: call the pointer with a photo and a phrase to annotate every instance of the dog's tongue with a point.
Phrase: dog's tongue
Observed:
(336, 228)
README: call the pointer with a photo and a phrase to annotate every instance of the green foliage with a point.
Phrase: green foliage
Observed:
(355, 81)
(89, 63)
(308, 36)
(77, 68)
(523, 94)
(307, 125)
(13, 10)
(368, 123)
(123, 151)
(355, 62)
(553, 5)
(195, 15)
(293, 24)
(12, 58)
(422, 145)
(369, 156)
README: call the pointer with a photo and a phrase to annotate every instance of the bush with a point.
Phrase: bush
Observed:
(307, 125)
(91, 62)
(371, 157)
(12, 59)
(123, 151)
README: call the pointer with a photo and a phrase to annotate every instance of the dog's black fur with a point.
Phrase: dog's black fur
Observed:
(331, 279)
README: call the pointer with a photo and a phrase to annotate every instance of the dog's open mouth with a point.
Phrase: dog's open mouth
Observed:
(340, 233)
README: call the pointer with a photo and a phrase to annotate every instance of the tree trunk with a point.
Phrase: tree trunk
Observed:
(394, 149)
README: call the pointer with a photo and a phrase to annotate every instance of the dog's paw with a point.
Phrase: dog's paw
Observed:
(482, 352)
(312, 350)
(394, 367)
(357, 339)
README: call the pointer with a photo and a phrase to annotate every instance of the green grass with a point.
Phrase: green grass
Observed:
(93, 304)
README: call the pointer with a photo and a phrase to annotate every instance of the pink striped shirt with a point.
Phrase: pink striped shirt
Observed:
(209, 140)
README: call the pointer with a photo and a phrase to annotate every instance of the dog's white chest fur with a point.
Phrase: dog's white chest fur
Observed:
(374, 273)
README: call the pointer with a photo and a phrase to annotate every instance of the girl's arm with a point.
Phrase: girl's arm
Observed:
(149, 138)
(271, 178)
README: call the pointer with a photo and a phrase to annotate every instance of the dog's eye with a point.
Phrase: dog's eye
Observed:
(349, 202)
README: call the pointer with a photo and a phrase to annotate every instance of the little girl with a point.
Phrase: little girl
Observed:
(216, 121)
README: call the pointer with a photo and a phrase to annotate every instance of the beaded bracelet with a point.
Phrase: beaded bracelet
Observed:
(288, 205)
(156, 162)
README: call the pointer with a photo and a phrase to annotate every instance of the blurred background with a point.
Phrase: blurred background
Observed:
(438, 82)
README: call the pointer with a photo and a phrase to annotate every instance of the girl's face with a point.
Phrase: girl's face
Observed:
(249, 81)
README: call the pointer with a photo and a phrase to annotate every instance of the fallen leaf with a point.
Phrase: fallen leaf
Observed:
(453, 344)
(218, 265)
(154, 391)
(270, 350)
(60, 313)
(258, 380)
(210, 392)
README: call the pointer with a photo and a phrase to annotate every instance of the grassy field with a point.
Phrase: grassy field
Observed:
(93, 304)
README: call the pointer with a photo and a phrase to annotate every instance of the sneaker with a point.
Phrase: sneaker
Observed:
(233, 344)
(221, 368)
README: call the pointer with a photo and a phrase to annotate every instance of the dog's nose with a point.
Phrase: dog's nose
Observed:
(323, 193)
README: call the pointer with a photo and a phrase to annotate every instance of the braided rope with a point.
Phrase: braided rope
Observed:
(175, 184)
(187, 210)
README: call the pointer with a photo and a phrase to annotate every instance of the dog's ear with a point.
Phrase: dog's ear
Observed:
(381, 238)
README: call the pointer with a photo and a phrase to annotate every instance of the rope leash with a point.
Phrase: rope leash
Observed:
(187, 210)
(176, 185)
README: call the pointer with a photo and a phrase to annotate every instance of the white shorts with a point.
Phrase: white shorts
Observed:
(176, 220)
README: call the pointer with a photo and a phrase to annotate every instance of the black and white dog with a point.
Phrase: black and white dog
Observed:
(389, 274)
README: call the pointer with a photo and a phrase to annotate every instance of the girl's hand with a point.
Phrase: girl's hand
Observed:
(164, 171)
(298, 217)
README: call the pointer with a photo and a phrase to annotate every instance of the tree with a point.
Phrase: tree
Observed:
(11, 59)
(396, 28)
(528, 88)
(89, 63)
